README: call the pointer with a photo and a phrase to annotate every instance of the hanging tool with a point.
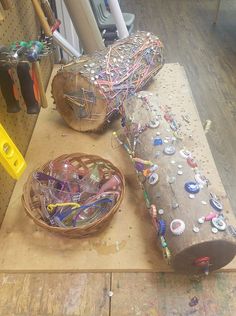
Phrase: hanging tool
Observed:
(27, 87)
(8, 87)
(52, 21)
(42, 18)
(51, 32)
(10, 61)
(10, 157)
(8, 90)
(33, 56)
(27, 81)
(17, 58)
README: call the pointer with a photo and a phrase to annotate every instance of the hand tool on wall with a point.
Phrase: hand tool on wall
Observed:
(10, 61)
(7, 85)
(27, 87)
(52, 21)
(18, 58)
(10, 157)
(33, 56)
(51, 32)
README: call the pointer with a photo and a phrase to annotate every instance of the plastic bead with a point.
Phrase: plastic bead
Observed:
(218, 223)
(191, 162)
(196, 229)
(153, 178)
(210, 216)
(214, 230)
(154, 124)
(216, 204)
(157, 142)
(160, 211)
(201, 180)
(169, 150)
(162, 227)
(177, 226)
(201, 220)
(185, 153)
(192, 187)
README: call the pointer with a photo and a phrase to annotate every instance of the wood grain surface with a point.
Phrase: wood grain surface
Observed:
(54, 294)
(165, 294)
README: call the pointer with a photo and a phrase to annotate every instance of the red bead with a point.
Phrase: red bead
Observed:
(191, 162)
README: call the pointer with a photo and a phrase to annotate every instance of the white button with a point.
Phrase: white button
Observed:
(201, 220)
(196, 229)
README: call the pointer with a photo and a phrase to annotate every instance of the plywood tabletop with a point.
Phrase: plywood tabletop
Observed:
(28, 248)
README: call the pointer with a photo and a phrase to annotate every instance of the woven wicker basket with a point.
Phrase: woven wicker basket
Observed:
(32, 204)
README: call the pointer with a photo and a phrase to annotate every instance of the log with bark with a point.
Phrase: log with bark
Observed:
(89, 91)
(190, 220)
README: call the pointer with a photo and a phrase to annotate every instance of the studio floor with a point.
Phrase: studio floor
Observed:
(208, 54)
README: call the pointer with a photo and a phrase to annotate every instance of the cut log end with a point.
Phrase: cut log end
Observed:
(220, 253)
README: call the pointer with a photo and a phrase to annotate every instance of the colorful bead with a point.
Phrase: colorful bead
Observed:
(169, 150)
(216, 204)
(157, 142)
(177, 226)
(218, 223)
(162, 227)
(192, 187)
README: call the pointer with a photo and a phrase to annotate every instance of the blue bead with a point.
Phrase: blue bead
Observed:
(162, 227)
(157, 142)
(192, 187)
(216, 205)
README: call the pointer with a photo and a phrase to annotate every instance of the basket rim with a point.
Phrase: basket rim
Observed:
(40, 222)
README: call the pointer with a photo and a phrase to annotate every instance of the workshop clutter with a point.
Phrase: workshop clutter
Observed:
(74, 195)
(21, 60)
(10, 157)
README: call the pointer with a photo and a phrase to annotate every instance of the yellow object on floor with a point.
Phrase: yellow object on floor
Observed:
(10, 157)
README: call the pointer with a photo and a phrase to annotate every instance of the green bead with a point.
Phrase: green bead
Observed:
(23, 44)
(146, 197)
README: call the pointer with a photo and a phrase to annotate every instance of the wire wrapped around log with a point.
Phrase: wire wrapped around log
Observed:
(90, 91)
(190, 221)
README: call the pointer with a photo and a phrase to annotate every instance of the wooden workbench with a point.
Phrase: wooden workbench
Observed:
(88, 294)
(28, 248)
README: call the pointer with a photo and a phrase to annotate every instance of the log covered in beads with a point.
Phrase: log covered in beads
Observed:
(90, 90)
(190, 221)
